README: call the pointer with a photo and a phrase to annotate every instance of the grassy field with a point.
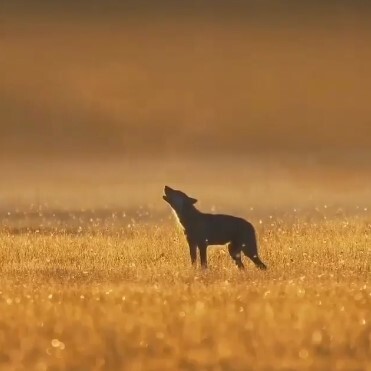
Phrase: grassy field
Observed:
(84, 288)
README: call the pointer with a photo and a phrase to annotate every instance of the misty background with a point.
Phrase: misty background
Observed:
(106, 78)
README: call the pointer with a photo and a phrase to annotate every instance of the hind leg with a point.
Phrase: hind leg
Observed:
(252, 254)
(258, 263)
(250, 249)
(235, 253)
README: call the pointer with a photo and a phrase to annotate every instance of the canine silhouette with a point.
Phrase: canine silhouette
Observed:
(202, 230)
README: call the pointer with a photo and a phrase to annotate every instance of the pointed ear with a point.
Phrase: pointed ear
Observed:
(193, 200)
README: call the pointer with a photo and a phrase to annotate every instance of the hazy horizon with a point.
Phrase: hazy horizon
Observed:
(120, 79)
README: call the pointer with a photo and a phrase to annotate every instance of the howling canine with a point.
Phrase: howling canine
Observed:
(202, 230)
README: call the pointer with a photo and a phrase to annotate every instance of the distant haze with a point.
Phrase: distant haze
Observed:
(145, 79)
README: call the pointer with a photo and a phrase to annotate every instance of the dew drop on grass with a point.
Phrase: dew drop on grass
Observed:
(55, 343)
(303, 353)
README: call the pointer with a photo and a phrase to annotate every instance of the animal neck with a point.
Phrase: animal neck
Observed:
(187, 215)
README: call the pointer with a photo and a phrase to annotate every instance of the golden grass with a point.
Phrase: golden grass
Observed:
(95, 275)
(127, 298)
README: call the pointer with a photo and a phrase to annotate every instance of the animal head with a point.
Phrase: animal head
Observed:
(178, 200)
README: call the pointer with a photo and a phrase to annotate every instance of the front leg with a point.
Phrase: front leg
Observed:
(192, 251)
(203, 256)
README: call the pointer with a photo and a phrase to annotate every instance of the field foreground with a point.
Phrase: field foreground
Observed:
(95, 275)
(128, 299)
